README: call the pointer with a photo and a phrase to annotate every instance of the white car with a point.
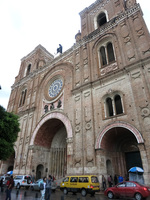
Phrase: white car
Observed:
(22, 181)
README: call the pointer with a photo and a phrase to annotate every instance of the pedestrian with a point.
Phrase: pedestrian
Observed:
(115, 179)
(42, 185)
(2, 184)
(120, 178)
(33, 179)
(48, 187)
(110, 181)
(104, 182)
(10, 185)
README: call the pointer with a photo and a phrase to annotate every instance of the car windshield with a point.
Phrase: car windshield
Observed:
(66, 179)
(18, 177)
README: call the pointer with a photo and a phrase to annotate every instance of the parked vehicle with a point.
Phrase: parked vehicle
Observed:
(128, 189)
(22, 181)
(84, 184)
(35, 186)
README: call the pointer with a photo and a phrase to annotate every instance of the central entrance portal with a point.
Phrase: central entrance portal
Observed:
(50, 149)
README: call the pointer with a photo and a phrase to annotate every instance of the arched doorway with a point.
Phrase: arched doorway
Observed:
(120, 145)
(50, 149)
(9, 163)
(39, 171)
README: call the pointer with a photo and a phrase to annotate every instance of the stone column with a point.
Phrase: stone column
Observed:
(69, 155)
(144, 159)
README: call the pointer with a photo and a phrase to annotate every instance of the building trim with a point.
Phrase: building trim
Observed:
(55, 115)
(125, 125)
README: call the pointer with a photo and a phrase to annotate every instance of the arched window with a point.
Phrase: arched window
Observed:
(103, 56)
(109, 106)
(23, 97)
(28, 70)
(118, 105)
(101, 19)
(106, 54)
(110, 52)
(113, 105)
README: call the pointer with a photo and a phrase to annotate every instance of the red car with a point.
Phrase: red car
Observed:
(128, 189)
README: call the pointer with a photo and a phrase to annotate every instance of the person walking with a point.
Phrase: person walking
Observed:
(42, 185)
(115, 179)
(120, 178)
(48, 187)
(104, 182)
(2, 184)
(110, 181)
(10, 185)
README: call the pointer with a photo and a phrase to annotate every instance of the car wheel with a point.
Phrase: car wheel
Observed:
(18, 186)
(53, 190)
(83, 192)
(65, 191)
(138, 196)
(110, 195)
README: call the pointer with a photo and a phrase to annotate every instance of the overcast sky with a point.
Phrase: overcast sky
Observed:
(27, 23)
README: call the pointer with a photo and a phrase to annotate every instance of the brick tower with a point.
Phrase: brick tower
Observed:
(87, 111)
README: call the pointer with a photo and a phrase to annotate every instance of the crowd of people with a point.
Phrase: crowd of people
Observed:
(45, 187)
(46, 183)
(45, 190)
(112, 181)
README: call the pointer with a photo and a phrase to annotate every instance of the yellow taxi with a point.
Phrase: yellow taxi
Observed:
(86, 184)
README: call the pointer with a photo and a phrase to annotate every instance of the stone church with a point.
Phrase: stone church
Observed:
(87, 110)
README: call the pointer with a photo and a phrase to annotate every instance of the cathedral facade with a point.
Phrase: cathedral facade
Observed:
(87, 111)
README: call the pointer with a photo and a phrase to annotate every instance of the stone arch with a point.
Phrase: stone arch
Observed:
(125, 125)
(55, 115)
(39, 171)
(96, 16)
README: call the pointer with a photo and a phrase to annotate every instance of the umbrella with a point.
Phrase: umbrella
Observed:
(10, 172)
(136, 169)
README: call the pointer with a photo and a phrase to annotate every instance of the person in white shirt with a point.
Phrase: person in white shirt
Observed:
(43, 182)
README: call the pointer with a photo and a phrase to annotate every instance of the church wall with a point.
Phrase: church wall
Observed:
(86, 86)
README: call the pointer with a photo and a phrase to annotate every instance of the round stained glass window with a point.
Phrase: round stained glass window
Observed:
(55, 88)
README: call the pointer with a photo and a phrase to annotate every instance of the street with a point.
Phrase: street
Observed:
(58, 195)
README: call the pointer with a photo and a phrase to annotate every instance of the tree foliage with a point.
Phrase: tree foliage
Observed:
(9, 128)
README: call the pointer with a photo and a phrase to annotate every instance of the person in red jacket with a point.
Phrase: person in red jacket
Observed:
(10, 185)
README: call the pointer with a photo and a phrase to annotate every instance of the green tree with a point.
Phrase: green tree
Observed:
(9, 128)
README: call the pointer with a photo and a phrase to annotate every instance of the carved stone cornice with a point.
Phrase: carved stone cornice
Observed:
(27, 111)
(112, 23)
(93, 5)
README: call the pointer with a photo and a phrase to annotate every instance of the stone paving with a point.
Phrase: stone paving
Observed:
(58, 195)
